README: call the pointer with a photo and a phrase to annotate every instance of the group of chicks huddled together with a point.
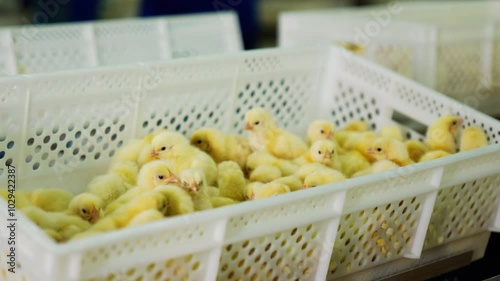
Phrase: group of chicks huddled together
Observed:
(165, 174)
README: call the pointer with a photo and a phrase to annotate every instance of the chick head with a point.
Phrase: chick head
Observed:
(381, 148)
(322, 151)
(154, 173)
(322, 177)
(320, 130)
(202, 139)
(151, 200)
(269, 190)
(192, 179)
(87, 206)
(257, 119)
(451, 123)
(164, 142)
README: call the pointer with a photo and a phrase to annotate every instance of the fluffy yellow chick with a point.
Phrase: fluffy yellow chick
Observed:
(363, 142)
(356, 126)
(193, 180)
(307, 169)
(51, 200)
(392, 131)
(265, 173)
(320, 130)
(183, 155)
(432, 155)
(218, 201)
(108, 187)
(264, 135)
(258, 158)
(322, 177)
(377, 167)
(103, 225)
(269, 190)
(22, 198)
(87, 206)
(326, 153)
(442, 133)
(221, 146)
(132, 149)
(472, 138)
(149, 200)
(415, 149)
(251, 188)
(291, 181)
(146, 217)
(179, 200)
(353, 162)
(231, 181)
(64, 224)
(127, 170)
(151, 175)
(145, 156)
(385, 148)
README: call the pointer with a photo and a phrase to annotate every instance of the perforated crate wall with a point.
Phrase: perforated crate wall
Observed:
(56, 47)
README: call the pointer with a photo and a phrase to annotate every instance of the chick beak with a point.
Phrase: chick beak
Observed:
(153, 154)
(329, 135)
(171, 179)
(328, 155)
(94, 215)
(370, 150)
(248, 126)
(194, 186)
(304, 186)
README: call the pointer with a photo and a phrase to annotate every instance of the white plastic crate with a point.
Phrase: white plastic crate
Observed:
(53, 47)
(61, 129)
(453, 47)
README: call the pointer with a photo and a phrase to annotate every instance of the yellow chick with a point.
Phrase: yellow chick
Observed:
(231, 181)
(377, 167)
(193, 180)
(132, 149)
(415, 149)
(320, 130)
(264, 135)
(259, 158)
(269, 190)
(307, 169)
(472, 138)
(221, 146)
(442, 133)
(149, 200)
(108, 187)
(356, 126)
(66, 225)
(146, 217)
(127, 170)
(291, 181)
(353, 162)
(363, 142)
(151, 175)
(218, 201)
(322, 177)
(251, 188)
(103, 225)
(326, 153)
(51, 200)
(183, 155)
(145, 156)
(21, 198)
(265, 173)
(432, 155)
(87, 206)
(392, 131)
(385, 148)
(179, 200)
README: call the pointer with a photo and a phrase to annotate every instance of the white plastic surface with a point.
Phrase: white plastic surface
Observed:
(61, 129)
(450, 46)
(46, 48)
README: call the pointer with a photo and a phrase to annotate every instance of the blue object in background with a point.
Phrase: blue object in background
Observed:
(49, 11)
(246, 9)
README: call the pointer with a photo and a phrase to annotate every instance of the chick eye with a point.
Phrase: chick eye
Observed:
(163, 148)
(199, 141)
(333, 151)
(319, 151)
(201, 182)
(257, 123)
(84, 211)
(161, 177)
(454, 123)
(379, 149)
(322, 131)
